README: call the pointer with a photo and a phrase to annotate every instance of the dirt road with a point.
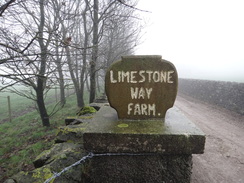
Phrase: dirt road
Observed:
(223, 159)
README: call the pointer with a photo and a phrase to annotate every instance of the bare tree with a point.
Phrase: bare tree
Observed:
(76, 31)
(109, 17)
(57, 39)
(87, 33)
(94, 51)
(121, 36)
(28, 64)
(58, 58)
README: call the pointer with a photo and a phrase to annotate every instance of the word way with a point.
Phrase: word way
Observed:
(140, 93)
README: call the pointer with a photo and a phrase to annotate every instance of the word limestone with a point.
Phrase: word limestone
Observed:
(141, 87)
(149, 76)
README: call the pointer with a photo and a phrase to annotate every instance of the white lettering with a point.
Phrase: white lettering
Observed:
(125, 75)
(144, 109)
(143, 78)
(151, 108)
(142, 93)
(149, 91)
(156, 76)
(149, 75)
(119, 76)
(112, 80)
(137, 110)
(163, 76)
(169, 76)
(132, 77)
(129, 108)
(141, 109)
(134, 92)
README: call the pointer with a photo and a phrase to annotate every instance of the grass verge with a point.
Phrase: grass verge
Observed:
(25, 138)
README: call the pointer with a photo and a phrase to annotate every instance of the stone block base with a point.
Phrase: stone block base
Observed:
(141, 151)
(141, 169)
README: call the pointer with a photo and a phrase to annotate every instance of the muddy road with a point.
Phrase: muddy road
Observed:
(223, 159)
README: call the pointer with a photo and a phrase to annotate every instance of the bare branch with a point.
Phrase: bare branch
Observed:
(32, 40)
(132, 7)
(5, 6)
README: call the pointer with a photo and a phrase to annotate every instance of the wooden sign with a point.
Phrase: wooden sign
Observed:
(141, 87)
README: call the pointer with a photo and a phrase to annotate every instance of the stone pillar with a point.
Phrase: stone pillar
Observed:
(135, 140)
(135, 151)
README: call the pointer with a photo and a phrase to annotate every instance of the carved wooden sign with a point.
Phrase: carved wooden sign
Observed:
(141, 87)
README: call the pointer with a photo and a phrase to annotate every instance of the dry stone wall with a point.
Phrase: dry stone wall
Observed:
(229, 95)
(63, 155)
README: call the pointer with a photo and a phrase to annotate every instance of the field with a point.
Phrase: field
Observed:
(24, 138)
(17, 105)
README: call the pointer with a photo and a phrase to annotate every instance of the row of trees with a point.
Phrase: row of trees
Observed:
(61, 42)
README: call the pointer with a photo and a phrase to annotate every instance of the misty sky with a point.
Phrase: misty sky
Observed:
(203, 38)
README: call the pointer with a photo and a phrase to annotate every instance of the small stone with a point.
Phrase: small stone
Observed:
(9, 181)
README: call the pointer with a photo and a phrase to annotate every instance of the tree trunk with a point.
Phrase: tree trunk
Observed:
(41, 105)
(94, 53)
(41, 80)
(62, 89)
(98, 85)
(80, 101)
(84, 55)
(75, 81)
(82, 79)
(87, 85)
(60, 75)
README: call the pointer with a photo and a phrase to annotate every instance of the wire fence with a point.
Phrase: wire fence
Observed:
(55, 92)
(89, 156)
(6, 104)
(13, 105)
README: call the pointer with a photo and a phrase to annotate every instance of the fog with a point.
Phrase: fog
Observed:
(203, 39)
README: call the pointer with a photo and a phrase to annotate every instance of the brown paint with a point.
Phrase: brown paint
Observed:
(141, 87)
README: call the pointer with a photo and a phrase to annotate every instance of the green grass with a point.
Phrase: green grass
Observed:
(24, 138)
(17, 104)
(21, 105)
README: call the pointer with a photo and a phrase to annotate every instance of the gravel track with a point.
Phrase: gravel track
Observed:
(223, 159)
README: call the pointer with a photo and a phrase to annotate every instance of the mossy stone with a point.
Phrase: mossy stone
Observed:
(70, 133)
(176, 135)
(86, 110)
(38, 175)
(58, 151)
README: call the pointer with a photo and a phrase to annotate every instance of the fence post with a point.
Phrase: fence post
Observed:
(56, 94)
(67, 91)
(9, 109)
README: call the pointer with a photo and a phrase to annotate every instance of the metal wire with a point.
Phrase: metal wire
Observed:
(89, 156)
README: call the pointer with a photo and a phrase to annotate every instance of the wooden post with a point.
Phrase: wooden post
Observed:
(9, 109)
(67, 91)
(56, 94)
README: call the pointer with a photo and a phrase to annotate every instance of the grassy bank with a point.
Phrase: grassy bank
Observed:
(25, 138)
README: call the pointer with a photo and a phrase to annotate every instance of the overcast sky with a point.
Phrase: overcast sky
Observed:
(204, 39)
